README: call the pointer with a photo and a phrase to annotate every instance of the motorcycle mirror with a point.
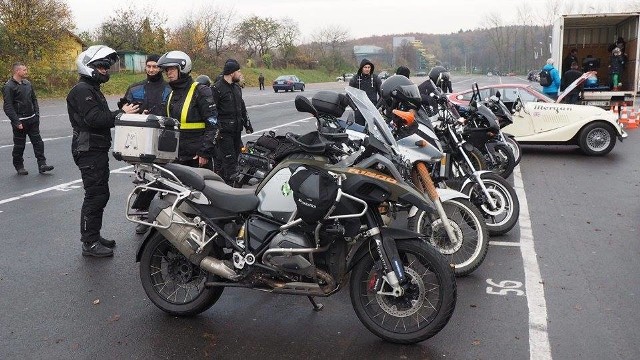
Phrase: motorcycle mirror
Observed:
(304, 105)
(498, 94)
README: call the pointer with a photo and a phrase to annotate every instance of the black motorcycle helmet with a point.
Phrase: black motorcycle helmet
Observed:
(204, 80)
(398, 90)
(438, 75)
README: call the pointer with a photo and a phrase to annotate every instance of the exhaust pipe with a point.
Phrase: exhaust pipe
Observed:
(178, 235)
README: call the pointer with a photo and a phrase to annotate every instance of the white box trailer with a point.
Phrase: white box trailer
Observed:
(592, 34)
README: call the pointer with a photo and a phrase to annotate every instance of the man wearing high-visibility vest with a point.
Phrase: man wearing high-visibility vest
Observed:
(191, 103)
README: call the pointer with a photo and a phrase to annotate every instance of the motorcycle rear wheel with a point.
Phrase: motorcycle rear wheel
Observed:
(423, 310)
(466, 254)
(172, 282)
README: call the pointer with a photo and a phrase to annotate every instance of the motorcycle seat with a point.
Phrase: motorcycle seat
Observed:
(215, 189)
(229, 198)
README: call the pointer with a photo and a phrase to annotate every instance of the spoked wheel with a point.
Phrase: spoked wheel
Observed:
(470, 247)
(460, 166)
(504, 216)
(597, 139)
(504, 161)
(425, 307)
(172, 282)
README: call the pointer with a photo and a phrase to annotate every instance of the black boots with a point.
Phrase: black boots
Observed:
(107, 243)
(44, 168)
(22, 171)
(96, 249)
(141, 229)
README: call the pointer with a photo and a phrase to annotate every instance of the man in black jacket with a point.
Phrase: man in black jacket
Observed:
(92, 121)
(566, 63)
(150, 94)
(368, 82)
(21, 107)
(232, 117)
(192, 104)
(568, 78)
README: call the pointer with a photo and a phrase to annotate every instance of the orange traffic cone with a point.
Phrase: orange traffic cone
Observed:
(623, 115)
(632, 122)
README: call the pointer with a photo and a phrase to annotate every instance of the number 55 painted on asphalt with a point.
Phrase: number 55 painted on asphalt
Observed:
(506, 286)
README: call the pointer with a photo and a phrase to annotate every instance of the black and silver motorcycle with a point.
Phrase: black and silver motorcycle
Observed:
(309, 228)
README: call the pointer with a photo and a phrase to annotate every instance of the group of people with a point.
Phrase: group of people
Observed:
(212, 117)
(571, 71)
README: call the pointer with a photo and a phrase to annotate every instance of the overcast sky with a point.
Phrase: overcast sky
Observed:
(360, 17)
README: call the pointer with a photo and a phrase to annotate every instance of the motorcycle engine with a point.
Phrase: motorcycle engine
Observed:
(286, 260)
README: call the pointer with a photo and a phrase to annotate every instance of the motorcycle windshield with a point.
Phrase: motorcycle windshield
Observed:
(375, 122)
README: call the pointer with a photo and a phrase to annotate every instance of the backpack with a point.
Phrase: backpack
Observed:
(545, 77)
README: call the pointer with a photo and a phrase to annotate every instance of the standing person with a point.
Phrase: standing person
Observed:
(566, 63)
(368, 82)
(615, 68)
(150, 94)
(568, 78)
(552, 78)
(92, 121)
(21, 107)
(232, 117)
(261, 81)
(190, 102)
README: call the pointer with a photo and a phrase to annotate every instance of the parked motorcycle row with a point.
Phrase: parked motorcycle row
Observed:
(312, 213)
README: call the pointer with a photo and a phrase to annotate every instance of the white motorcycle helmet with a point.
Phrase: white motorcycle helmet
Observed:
(94, 56)
(178, 59)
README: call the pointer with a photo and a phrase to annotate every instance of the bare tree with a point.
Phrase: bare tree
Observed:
(258, 35)
(329, 43)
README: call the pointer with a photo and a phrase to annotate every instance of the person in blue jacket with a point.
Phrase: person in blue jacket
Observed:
(552, 90)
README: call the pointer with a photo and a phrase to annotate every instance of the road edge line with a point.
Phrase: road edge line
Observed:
(539, 347)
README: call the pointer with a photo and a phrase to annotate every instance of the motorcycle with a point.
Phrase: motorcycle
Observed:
(482, 130)
(457, 230)
(493, 195)
(309, 228)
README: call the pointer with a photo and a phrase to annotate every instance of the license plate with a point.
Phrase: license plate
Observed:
(280, 82)
(597, 103)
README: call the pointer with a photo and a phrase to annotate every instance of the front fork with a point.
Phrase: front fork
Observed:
(476, 175)
(392, 268)
(426, 183)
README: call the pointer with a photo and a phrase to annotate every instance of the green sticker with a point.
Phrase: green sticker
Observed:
(286, 189)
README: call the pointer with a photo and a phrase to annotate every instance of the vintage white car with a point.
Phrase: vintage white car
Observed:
(538, 119)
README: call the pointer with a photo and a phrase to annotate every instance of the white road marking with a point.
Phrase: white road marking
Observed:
(539, 347)
(504, 243)
(71, 185)
(267, 104)
(61, 187)
(45, 139)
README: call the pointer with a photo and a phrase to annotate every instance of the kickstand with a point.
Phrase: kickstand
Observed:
(316, 306)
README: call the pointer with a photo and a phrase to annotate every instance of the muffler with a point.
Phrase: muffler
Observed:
(179, 233)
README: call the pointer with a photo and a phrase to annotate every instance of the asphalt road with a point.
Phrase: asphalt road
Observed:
(563, 284)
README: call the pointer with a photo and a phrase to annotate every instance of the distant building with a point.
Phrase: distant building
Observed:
(375, 54)
(64, 58)
(129, 60)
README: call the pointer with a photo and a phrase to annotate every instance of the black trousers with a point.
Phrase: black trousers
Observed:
(228, 149)
(261, 86)
(94, 167)
(31, 129)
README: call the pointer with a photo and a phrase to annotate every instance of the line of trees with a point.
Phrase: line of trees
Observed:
(32, 31)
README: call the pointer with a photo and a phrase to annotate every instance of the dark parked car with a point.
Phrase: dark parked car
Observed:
(288, 83)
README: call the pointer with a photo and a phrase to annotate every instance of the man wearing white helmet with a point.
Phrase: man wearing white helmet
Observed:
(192, 103)
(92, 121)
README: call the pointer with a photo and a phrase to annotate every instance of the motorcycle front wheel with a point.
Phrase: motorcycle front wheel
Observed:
(172, 282)
(505, 215)
(515, 148)
(504, 160)
(470, 248)
(426, 305)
